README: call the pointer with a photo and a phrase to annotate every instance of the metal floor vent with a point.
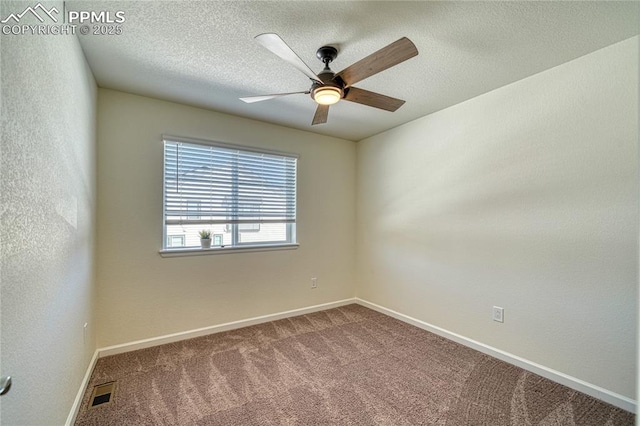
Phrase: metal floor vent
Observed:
(102, 394)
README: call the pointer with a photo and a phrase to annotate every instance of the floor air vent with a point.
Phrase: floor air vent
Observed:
(102, 394)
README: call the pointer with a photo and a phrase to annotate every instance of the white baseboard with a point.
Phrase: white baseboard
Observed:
(75, 408)
(175, 337)
(602, 394)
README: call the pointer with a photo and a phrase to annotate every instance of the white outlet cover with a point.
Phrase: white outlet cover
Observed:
(498, 314)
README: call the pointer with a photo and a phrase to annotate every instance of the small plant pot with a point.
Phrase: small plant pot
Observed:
(205, 242)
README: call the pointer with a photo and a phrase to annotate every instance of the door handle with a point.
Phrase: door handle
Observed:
(5, 384)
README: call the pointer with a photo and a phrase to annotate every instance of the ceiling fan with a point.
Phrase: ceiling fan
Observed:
(328, 87)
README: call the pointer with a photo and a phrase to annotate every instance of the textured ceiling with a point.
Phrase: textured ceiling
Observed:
(203, 53)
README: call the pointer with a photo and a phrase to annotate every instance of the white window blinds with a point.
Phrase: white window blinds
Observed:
(220, 184)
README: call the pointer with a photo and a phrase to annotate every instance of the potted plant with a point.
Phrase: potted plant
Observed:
(205, 238)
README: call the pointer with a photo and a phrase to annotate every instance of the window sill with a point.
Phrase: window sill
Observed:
(225, 250)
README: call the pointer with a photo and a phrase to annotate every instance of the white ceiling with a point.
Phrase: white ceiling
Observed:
(203, 53)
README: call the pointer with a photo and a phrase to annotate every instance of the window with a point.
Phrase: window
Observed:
(193, 207)
(249, 227)
(244, 196)
(175, 240)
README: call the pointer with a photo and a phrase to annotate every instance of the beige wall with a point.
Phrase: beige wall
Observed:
(47, 209)
(143, 295)
(525, 198)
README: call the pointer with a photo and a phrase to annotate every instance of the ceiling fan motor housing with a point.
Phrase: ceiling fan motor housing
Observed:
(329, 85)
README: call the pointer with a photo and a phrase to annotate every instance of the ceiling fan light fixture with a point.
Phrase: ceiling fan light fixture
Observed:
(327, 95)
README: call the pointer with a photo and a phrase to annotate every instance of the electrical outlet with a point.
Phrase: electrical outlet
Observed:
(84, 333)
(314, 282)
(498, 314)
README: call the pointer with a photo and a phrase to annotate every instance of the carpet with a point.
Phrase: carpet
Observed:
(343, 366)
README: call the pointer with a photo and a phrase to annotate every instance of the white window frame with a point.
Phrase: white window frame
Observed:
(291, 240)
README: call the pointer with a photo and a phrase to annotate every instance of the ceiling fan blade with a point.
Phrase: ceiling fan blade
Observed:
(276, 45)
(393, 54)
(321, 114)
(372, 99)
(252, 99)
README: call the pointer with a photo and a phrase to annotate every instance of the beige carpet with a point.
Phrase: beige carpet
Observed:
(344, 366)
